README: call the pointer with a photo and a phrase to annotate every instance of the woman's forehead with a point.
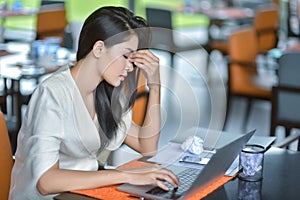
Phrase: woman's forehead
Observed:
(131, 44)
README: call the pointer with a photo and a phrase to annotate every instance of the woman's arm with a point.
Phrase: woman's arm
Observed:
(145, 139)
(57, 180)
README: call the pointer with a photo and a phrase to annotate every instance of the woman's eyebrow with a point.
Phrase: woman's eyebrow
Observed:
(130, 50)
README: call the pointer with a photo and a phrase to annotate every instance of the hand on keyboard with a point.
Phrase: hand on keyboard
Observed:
(155, 175)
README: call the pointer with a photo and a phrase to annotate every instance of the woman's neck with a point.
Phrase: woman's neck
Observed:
(85, 77)
(86, 82)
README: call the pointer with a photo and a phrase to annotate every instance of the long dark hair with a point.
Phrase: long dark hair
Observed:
(112, 25)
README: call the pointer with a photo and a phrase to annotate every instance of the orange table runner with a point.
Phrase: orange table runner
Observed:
(111, 192)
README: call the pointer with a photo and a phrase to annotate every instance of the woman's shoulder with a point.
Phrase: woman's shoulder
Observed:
(58, 86)
(61, 80)
(56, 90)
(62, 74)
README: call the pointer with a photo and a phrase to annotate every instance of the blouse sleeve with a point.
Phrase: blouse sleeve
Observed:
(118, 140)
(41, 134)
(121, 132)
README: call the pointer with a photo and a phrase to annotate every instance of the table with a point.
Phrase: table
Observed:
(231, 13)
(224, 20)
(294, 47)
(16, 67)
(15, 75)
(280, 180)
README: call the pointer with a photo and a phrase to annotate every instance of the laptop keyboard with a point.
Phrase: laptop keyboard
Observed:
(186, 178)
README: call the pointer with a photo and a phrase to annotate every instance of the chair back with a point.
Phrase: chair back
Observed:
(158, 17)
(243, 78)
(286, 95)
(243, 45)
(289, 69)
(140, 105)
(167, 38)
(161, 32)
(6, 159)
(51, 21)
(266, 22)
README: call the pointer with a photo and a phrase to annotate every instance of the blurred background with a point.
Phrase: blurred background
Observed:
(204, 81)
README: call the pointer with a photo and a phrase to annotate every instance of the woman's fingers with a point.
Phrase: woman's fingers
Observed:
(154, 175)
(144, 54)
(165, 175)
(170, 177)
(144, 59)
(149, 63)
(161, 185)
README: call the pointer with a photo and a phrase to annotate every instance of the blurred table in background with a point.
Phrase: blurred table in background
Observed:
(224, 21)
(20, 75)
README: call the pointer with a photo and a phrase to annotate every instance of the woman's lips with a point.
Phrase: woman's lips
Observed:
(123, 77)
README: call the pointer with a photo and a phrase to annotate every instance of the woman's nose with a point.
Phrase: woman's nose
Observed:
(129, 66)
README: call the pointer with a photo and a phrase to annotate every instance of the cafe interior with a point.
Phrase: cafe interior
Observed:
(224, 63)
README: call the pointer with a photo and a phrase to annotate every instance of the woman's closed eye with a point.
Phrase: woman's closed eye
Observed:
(125, 56)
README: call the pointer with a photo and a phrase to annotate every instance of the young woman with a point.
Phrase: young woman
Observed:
(80, 114)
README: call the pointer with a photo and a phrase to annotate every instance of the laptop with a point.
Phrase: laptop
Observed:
(197, 179)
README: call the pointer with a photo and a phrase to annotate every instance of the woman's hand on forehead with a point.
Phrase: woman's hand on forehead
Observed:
(148, 62)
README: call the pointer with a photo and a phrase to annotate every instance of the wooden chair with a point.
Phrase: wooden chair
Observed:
(6, 159)
(51, 21)
(286, 95)
(160, 19)
(140, 105)
(266, 22)
(242, 72)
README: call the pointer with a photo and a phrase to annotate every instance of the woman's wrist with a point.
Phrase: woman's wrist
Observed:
(122, 176)
(125, 177)
(154, 86)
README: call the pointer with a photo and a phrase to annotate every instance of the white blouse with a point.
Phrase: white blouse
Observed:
(57, 126)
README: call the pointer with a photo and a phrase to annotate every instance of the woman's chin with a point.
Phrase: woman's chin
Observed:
(116, 83)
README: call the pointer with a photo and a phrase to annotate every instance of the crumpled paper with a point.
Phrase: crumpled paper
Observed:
(193, 144)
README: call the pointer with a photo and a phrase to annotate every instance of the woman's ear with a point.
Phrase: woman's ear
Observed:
(98, 48)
